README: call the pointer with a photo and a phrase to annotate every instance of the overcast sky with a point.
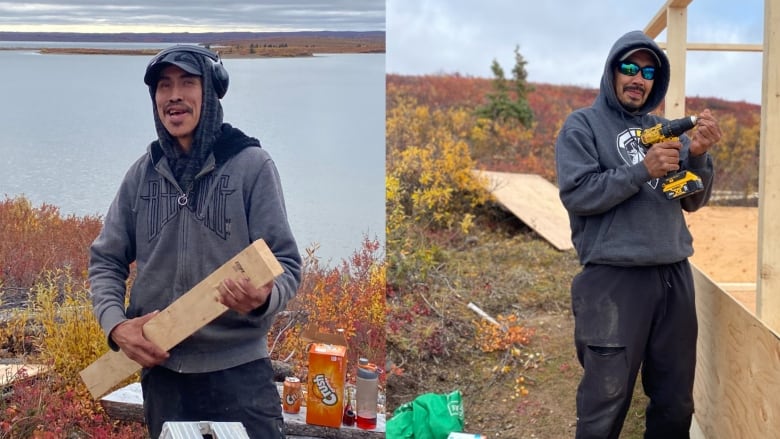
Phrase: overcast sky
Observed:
(191, 15)
(567, 41)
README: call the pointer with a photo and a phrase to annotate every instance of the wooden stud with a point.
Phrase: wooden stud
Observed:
(185, 316)
(768, 292)
(677, 34)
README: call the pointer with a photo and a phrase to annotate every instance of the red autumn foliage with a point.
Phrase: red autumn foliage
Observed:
(35, 239)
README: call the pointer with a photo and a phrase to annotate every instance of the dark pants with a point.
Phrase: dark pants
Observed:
(627, 317)
(246, 394)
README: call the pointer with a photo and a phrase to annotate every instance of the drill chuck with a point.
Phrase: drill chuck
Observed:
(667, 130)
(676, 127)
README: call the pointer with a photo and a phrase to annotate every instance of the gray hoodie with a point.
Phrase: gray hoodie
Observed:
(618, 214)
(234, 197)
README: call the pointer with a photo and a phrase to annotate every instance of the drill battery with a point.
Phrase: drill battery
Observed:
(681, 184)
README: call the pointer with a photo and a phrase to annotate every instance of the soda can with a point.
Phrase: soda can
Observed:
(291, 395)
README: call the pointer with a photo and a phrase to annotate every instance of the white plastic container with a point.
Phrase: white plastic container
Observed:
(367, 385)
(198, 430)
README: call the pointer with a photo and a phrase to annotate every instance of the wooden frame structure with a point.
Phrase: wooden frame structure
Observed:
(738, 353)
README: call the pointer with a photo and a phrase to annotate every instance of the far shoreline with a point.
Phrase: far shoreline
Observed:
(241, 45)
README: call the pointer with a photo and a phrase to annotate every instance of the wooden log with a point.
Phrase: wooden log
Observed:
(126, 404)
(185, 316)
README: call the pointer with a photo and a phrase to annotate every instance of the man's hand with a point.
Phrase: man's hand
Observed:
(663, 158)
(129, 336)
(706, 134)
(242, 296)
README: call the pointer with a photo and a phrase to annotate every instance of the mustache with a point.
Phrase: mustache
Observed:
(178, 106)
(634, 87)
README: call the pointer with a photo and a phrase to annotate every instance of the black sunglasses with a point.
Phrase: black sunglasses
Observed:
(631, 69)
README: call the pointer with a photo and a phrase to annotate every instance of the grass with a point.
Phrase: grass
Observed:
(517, 388)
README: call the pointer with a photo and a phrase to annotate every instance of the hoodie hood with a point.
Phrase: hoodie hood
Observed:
(186, 166)
(628, 42)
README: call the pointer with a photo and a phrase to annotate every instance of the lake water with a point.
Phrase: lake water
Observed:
(72, 124)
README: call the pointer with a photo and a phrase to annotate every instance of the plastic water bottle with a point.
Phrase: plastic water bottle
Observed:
(367, 384)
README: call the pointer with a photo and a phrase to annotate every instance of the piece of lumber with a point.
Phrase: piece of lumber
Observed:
(767, 299)
(9, 373)
(185, 315)
(535, 201)
(126, 404)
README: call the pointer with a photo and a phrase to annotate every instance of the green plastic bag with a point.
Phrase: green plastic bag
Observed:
(429, 416)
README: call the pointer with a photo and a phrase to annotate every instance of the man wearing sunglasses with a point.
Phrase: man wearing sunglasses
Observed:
(633, 301)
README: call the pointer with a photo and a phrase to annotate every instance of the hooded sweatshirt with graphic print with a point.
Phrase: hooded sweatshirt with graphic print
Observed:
(617, 212)
(180, 217)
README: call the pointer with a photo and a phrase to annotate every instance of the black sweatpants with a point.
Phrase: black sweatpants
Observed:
(627, 317)
(245, 393)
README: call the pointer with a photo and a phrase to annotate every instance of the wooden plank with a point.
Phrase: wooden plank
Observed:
(676, 35)
(737, 383)
(184, 316)
(658, 23)
(126, 404)
(768, 293)
(720, 47)
(738, 286)
(535, 201)
(13, 372)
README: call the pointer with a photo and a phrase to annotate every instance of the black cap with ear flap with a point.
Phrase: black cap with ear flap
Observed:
(182, 56)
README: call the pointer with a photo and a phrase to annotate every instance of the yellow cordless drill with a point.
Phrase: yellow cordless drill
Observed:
(682, 183)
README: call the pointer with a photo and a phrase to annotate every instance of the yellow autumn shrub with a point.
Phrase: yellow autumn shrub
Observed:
(70, 337)
(429, 167)
(430, 183)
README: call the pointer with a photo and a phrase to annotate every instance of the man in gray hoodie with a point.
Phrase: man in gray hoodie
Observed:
(201, 193)
(633, 301)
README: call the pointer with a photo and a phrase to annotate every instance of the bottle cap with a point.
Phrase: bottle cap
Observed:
(368, 371)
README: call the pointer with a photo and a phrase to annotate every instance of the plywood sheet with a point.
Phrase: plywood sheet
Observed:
(738, 357)
(534, 201)
(12, 372)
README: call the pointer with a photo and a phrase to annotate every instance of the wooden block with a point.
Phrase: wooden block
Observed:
(185, 316)
(107, 371)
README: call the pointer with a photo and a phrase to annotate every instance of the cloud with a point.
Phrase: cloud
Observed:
(566, 42)
(259, 15)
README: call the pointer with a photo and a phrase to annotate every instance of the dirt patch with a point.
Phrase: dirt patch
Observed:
(725, 242)
(516, 272)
